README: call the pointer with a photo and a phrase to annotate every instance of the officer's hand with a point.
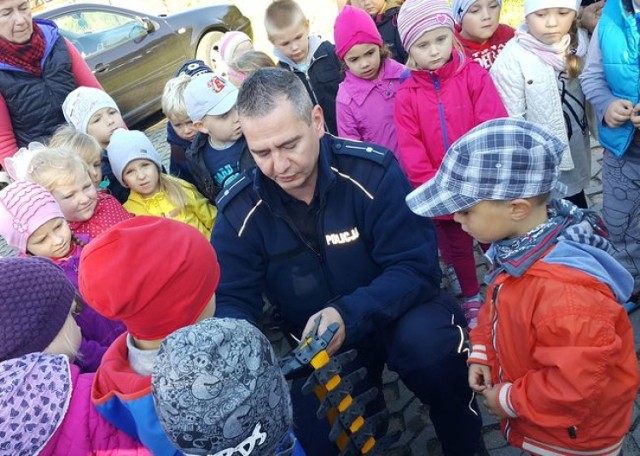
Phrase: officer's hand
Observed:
(618, 112)
(329, 315)
(590, 15)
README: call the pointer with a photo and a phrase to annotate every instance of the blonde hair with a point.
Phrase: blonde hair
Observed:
(174, 191)
(52, 168)
(68, 138)
(457, 46)
(251, 61)
(281, 14)
(173, 97)
(573, 61)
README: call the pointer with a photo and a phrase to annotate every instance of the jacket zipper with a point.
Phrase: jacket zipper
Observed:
(443, 124)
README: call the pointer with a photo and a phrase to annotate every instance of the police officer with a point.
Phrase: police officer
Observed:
(321, 228)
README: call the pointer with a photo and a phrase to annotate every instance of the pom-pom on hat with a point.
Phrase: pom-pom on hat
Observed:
(416, 17)
(229, 43)
(84, 102)
(25, 207)
(193, 67)
(228, 374)
(129, 145)
(35, 299)
(531, 6)
(125, 275)
(354, 26)
(460, 8)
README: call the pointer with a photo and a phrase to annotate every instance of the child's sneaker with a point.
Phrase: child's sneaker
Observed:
(452, 280)
(471, 308)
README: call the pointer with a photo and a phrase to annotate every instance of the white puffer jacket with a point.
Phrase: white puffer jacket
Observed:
(529, 89)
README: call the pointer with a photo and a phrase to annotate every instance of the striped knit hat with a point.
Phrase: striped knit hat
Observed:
(417, 17)
(460, 8)
(25, 207)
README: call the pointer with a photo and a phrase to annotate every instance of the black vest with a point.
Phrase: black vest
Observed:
(35, 102)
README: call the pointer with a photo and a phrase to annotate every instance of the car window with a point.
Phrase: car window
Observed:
(93, 32)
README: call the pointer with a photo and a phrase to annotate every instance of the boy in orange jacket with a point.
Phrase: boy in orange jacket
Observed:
(553, 353)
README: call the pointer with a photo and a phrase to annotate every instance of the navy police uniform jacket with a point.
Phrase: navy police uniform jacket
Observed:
(374, 258)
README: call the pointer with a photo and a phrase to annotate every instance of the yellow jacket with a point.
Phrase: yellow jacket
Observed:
(198, 212)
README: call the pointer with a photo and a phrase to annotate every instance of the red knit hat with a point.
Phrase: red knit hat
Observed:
(154, 274)
(354, 26)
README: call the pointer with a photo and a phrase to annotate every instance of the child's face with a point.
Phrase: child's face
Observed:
(52, 239)
(222, 128)
(142, 176)
(481, 21)
(487, 221)
(293, 41)
(550, 25)
(363, 60)
(68, 340)
(103, 123)
(373, 7)
(433, 49)
(77, 200)
(183, 127)
(95, 170)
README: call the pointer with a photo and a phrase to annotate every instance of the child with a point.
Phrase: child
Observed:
(253, 394)
(479, 30)
(94, 112)
(366, 96)
(137, 165)
(219, 152)
(45, 406)
(67, 177)
(232, 45)
(156, 275)
(385, 15)
(314, 61)
(446, 95)
(553, 352)
(611, 64)
(180, 129)
(537, 77)
(31, 221)
(68, 138)
(246, 64)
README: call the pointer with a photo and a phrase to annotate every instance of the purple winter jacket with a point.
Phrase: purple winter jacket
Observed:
(365, 108)
(97, 331)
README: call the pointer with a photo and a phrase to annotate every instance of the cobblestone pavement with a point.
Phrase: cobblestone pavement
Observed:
(407, 414)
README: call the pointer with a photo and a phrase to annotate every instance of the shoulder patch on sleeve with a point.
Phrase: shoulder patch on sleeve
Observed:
(369, 151)
(229, 193)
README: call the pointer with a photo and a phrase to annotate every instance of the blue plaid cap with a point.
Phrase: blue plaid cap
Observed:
(502, 159)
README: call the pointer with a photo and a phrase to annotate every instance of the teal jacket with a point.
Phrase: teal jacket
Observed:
(620, 47)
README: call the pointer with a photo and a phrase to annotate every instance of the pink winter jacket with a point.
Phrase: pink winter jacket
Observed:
(435, 108)
(365, 108)
(85, 432)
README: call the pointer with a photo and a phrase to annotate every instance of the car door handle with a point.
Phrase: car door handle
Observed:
(101, 68)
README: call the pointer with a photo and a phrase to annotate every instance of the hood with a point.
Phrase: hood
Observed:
(391, 13)
(314, 44)
(35, 392)
(595, 262)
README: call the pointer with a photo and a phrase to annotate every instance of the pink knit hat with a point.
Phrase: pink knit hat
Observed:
(25, 207)
(354, 26)
(416, 17)
(228, 44)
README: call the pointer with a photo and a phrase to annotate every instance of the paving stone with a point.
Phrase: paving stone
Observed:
(494, 440)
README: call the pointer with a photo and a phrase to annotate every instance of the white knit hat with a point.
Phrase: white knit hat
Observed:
(84, 102)
(129, 145)
(531, 6)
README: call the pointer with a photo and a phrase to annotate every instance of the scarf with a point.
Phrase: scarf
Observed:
(566, 222)
(26, 56)
(551, 54)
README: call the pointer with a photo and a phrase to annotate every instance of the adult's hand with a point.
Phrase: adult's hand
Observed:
(618, 112)
(328, 315)
(590, 15)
